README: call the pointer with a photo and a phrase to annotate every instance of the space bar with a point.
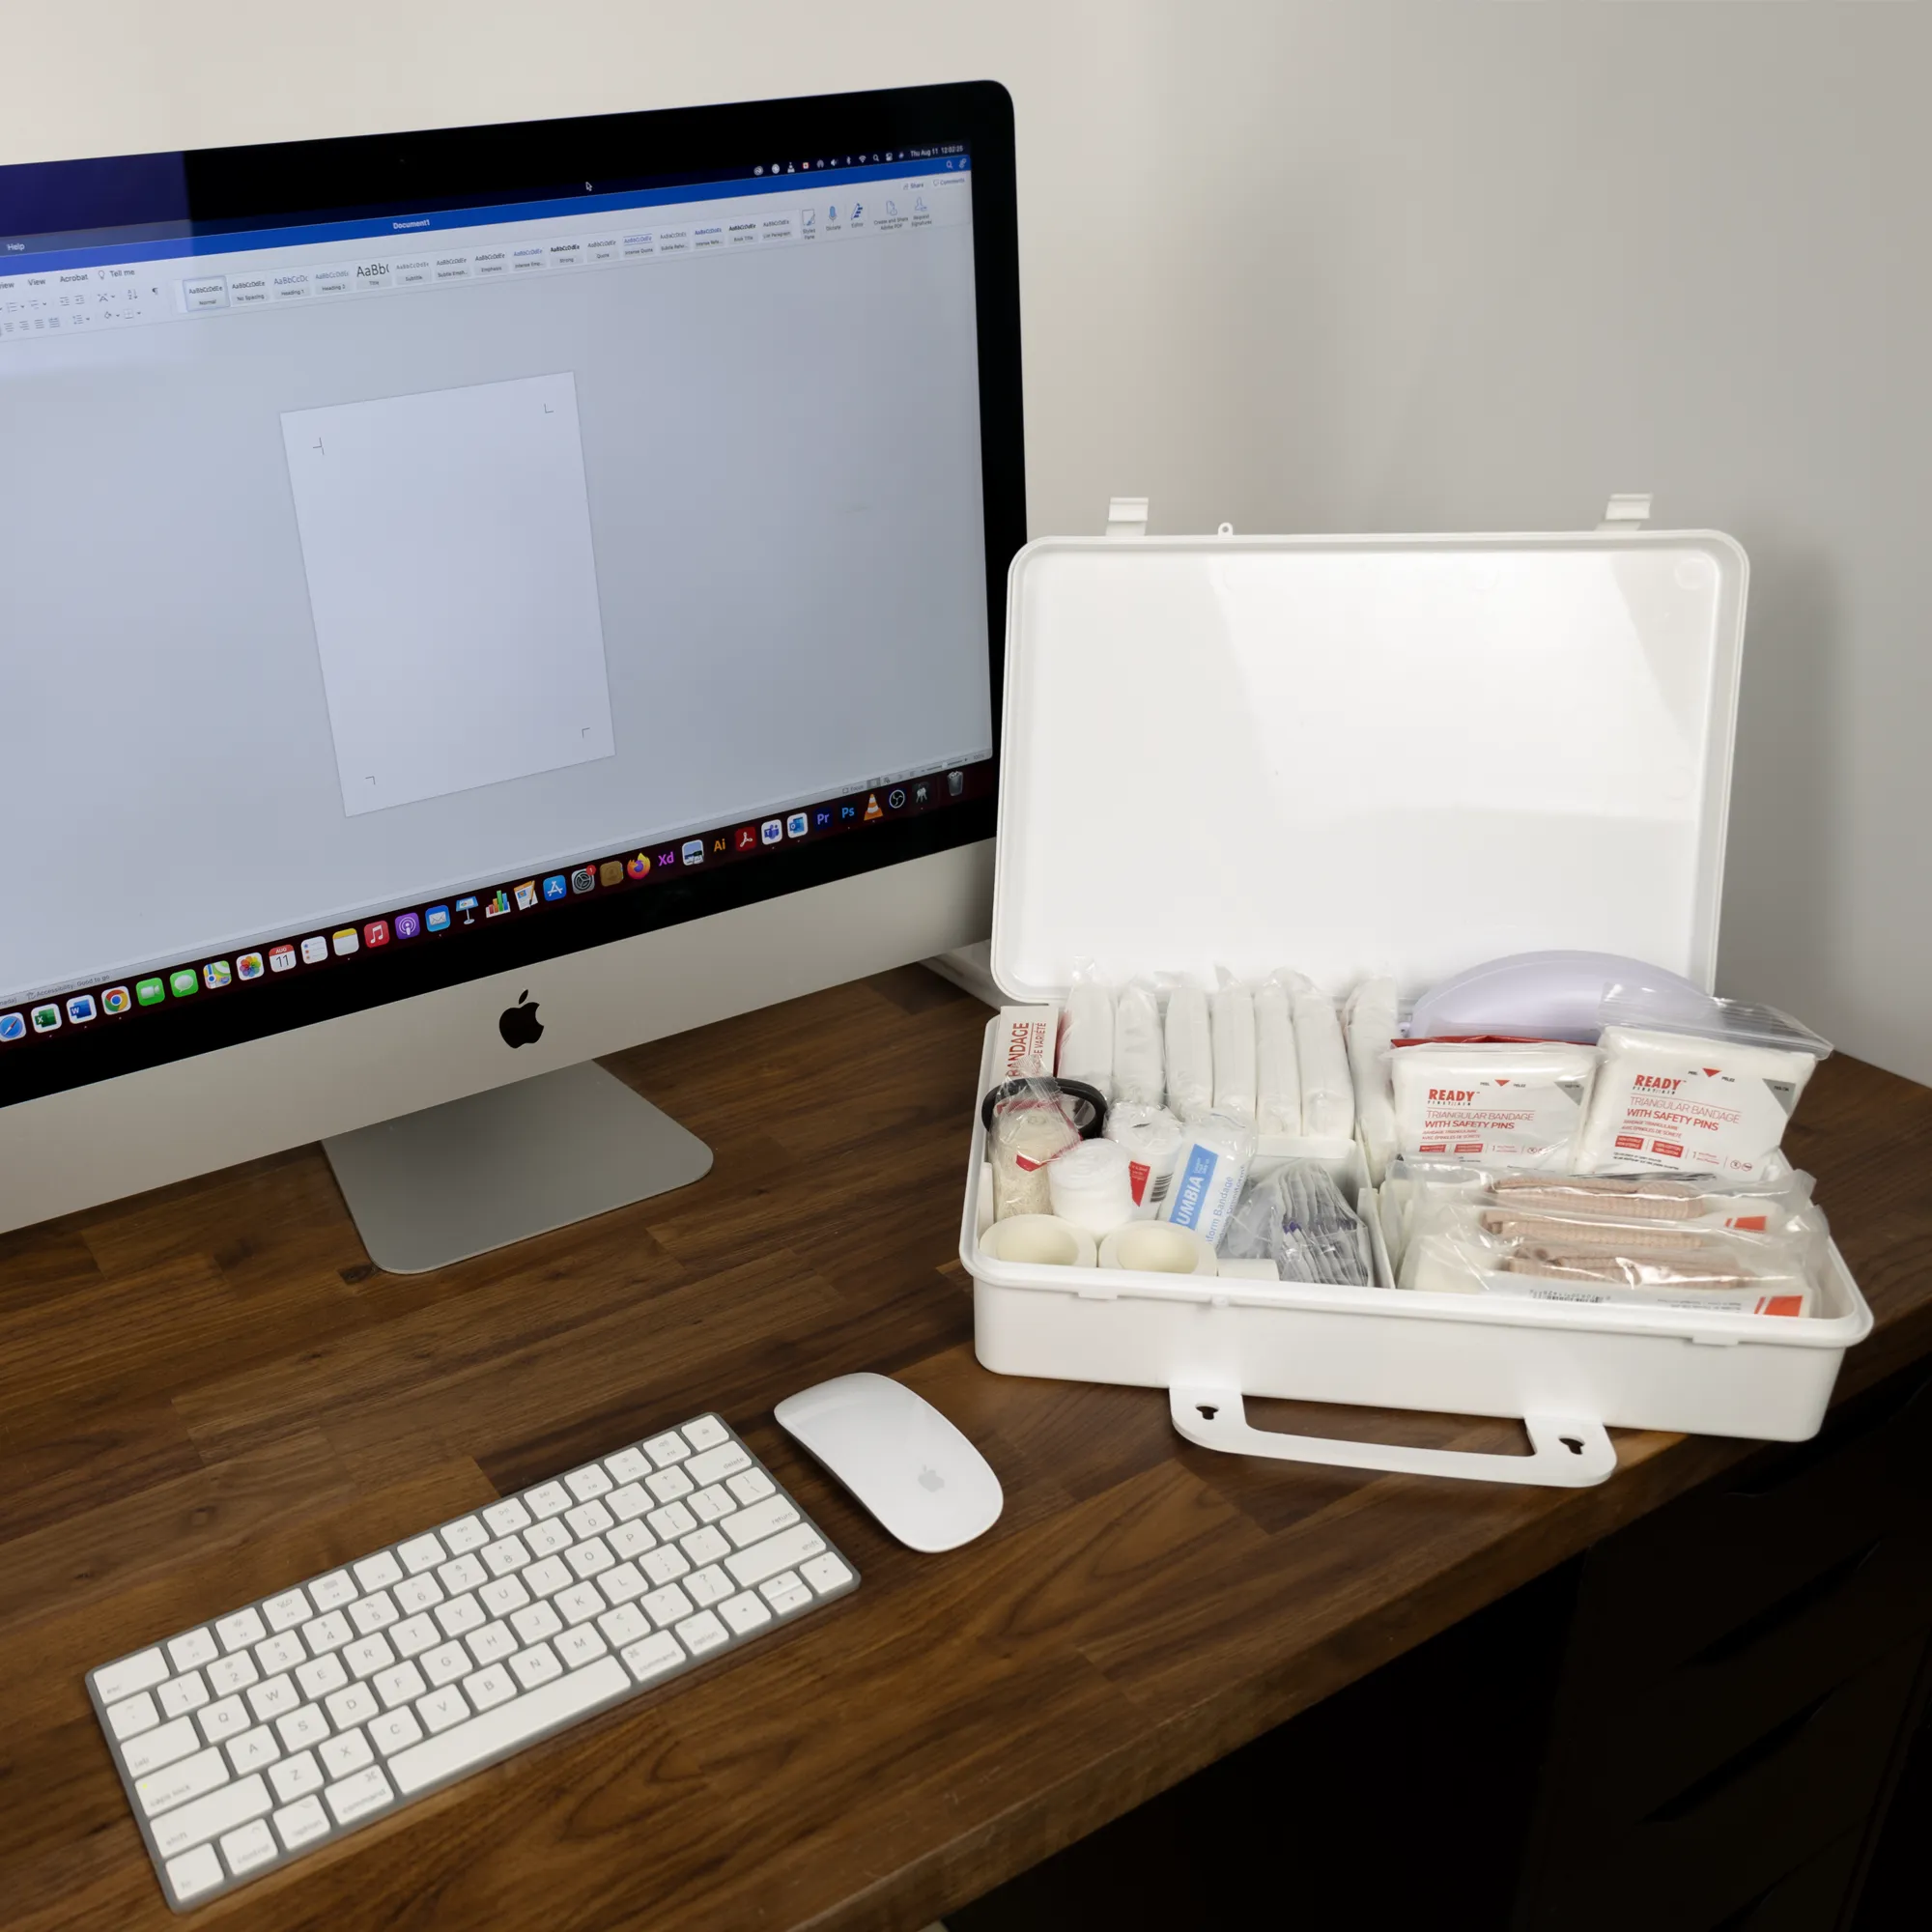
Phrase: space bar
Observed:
(481, 1739)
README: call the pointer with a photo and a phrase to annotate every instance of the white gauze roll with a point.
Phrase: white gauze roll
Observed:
(1087, 1036)
(1190, 1054)
(1277, 1076)
(1139, 1070)
(1151, 1138)
(1090, 1187)
(1372, 1025)
(1327, 1088)
(1234, 1029)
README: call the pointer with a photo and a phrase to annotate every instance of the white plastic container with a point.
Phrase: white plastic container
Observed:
(1358, 755)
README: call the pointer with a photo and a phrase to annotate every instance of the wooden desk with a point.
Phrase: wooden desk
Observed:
(207, 1392)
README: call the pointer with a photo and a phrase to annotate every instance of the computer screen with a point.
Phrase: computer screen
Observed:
(395, 589)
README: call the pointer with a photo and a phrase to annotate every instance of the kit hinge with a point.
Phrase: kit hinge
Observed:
(1126, 516)
(1627, 512)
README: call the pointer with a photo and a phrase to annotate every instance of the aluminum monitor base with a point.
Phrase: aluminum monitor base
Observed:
(429, 1188)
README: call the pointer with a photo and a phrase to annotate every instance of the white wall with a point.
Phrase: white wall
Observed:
(1434, 264)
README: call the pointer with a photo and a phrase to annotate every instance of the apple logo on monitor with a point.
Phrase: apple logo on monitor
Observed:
(518, 1024)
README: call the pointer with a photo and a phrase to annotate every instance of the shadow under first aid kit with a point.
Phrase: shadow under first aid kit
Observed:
(1263, 796)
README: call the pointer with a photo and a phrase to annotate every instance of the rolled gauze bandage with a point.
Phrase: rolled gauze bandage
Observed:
(1090, 1187)
(1041, 1239)
(1372, 1025)
(1190, 1054)
(1151, 1138)
(1233, 1016)
(1139, 1071)
(1157, 1247)
(1327, 1088)
(1208, 1176)
(1087, 1034)
(1277, 1077)
(1030, 1126)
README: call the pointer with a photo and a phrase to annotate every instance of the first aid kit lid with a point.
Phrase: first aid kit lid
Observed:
(1363, 754)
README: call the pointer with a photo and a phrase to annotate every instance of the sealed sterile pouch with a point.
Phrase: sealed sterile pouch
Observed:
(1190, 1054)
(1152, 1137)
(1500, 1106)
(1277, 1076)
(1139, 1065)
(1371, 1024)
(1231, 1023)
(1328, 1087)
(1031, 1124)
(1087, 1032)
(1208, 1170)
(1690, 1104)
(1297, 1218)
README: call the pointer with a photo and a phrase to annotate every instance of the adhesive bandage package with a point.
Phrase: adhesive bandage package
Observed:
(1086, 1034)
(1139, 1075)
(1089, 1186)
(1328, 1087)
(1232, 1022)
(1190, 1054)
(1372, 1024)
(1209, 1171)
(1277, 1076)
(1499, 1104)
(1690, 1105)
(1152, 1137)
(1029, 1129)
(1024, 1043)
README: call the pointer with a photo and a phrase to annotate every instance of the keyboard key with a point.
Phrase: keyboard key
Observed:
(465, 1534)
(589, 1556)
(665, 1565)
(403, 1684)
(622, 1584)
(708, 1586)
(140, 1672)
(277, 1653)
(668, 1485)
(377, 1571)
(753, 1486)
(673, 1520)
(652, 1656)
(505, 1554)
(546, 1539)
(446, 1663)
(785, 1591)
(464, 1574)
(270, 1699)
(496, 1731)
(776, 1552)
(633, 1500)
(547, 1499)
(416, 1593)
(758, 1521)
(504, 1595)
(394, 1731)
(825, 1572)
(327, 1632)
(152, 1750)
(229, 1674)
(182, 1694)
(626, 1624)
(706, 1432)
(708, 1505)
(440, 1709)
(579, 1604)
(627, 1466)
(132, 1715)
(367, 1791)
(205, 1818)
(296, 1778)
(243, 1629)
(252, 1845)
(198, 1646)
(704, 1546)
(334, 1591)
(587, 1519)
(545, 1578)
(320, 1676)
(351, 1707)
(374, 1614)
(368, 1655)
(192, 1779)
(500, 1518)
(413, 1634)
(421, 1553)
(253, 1750)
(460, 1614)
(301, 1823)
(668, 1606)
(301, 1728)
(745, 1613)
(703, 1633)
(534, 1621)
(580, 1646)
(586, 1482)
(228, 1719)
(287, 1610)
(715, 1465)
(665, 1449)
(536, 1665)
(193, 1872)
(490, 1688)
(348, 1753)
(493, 1642)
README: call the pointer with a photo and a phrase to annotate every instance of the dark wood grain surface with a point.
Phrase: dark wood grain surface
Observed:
(207, 1393)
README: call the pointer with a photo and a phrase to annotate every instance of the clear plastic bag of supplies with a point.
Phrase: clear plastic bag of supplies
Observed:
(1297, 1218)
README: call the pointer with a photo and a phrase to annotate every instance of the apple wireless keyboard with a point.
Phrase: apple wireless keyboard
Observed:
(254, 1739)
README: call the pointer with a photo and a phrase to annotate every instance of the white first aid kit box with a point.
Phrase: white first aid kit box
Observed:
(1375, 754)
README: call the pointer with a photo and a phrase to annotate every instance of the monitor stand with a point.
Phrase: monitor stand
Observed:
(429, 1188)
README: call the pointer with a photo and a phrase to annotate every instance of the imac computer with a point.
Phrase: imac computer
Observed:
(474, 600)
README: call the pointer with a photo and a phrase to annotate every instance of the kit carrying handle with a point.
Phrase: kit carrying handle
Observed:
(1566, 1453)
